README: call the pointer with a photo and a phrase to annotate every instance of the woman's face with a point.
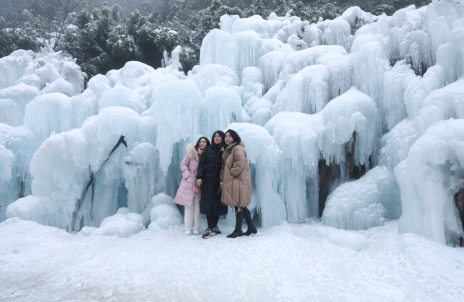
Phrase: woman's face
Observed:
(203, 144)
(229, 138)
(217, 139)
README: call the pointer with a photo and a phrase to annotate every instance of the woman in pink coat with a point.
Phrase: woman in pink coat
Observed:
(185, 195)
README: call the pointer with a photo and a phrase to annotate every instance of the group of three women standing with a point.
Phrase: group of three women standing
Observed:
(221, 172)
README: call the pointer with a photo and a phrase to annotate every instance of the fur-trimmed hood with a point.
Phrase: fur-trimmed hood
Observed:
(191, 151)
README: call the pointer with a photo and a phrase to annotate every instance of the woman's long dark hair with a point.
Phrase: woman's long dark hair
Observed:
(213, 144)
(197, 146)
(234, 135)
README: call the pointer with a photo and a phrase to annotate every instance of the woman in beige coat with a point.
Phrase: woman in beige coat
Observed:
(236, 182)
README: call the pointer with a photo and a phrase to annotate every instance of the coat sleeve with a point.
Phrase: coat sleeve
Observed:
(239, 161)
(221, 174)
(184, 166)
(201, 166)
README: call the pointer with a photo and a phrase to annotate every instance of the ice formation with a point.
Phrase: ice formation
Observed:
(121, 224)
(355, 120)
(429, 178)
(163, 213)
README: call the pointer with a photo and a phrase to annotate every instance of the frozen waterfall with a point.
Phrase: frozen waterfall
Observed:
(355, 121)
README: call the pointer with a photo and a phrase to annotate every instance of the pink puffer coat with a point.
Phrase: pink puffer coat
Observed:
(189, 167)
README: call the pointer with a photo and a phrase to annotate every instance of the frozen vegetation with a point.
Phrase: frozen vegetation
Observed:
(351, 122)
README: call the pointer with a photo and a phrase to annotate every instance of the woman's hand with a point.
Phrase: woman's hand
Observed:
(199, 183)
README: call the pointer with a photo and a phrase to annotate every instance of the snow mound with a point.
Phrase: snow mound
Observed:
(164, 214)
(121, 224)
(364, 203)
(38, 209)
(348, 239)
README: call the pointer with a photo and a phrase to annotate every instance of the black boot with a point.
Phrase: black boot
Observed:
(251, 227)
(238, 225)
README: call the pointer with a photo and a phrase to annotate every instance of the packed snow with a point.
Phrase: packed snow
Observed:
(354, 131)
(290, 262)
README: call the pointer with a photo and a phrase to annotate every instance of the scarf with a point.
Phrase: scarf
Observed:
(200, 152)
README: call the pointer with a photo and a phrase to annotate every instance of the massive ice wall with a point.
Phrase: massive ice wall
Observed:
(39, 95)
(338, 117)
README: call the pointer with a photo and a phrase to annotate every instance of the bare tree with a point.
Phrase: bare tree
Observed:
(68, 7)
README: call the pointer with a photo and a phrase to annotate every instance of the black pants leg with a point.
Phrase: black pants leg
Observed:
(215, 221)
(210, 220)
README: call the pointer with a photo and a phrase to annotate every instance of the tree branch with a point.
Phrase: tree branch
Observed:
(69, 7)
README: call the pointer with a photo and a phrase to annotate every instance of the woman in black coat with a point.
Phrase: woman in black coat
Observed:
(208, 173)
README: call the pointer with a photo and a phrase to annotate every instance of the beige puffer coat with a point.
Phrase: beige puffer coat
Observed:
(236, 177)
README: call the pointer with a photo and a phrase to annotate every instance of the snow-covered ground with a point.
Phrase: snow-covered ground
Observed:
(290, 262)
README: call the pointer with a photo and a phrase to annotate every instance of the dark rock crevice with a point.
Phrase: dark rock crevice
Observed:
(331, 175)
(91, 183)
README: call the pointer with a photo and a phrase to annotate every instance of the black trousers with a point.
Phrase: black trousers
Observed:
(212, 221)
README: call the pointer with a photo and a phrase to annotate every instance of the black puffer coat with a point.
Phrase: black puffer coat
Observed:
(210, 203)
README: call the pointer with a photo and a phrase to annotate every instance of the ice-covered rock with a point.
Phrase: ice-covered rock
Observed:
(129, 74)
(19, 95)
(59, 85)
(214, 75)
(123, 97)
(50, 113)
(164, 214)
(82, 167)
(364, 203)
(39, 209)
(13, 66)
(303, 136)
(428, 178)
(121, 224)
(304, 139)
